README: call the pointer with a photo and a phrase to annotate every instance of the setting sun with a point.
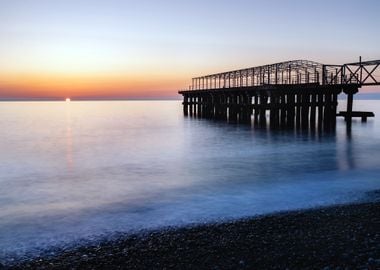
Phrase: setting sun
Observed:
(68, 99)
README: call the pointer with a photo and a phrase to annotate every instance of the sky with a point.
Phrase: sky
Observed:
(151, 49)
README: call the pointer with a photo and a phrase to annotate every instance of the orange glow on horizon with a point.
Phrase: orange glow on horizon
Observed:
(90, 85)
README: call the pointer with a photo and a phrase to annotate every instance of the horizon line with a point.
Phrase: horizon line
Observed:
(86, 99)
(370, 95)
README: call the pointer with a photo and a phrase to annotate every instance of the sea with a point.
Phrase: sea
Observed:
(76, 172)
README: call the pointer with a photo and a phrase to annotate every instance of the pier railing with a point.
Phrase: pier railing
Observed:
(361, 73)
(292, 72)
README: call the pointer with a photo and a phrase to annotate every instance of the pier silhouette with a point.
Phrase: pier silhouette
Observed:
(299, 93)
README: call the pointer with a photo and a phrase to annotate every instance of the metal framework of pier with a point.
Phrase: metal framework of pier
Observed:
(297, 93)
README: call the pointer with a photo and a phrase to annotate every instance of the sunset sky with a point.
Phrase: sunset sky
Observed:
(151, 49)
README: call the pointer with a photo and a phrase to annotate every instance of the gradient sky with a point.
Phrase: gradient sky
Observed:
(137, 49)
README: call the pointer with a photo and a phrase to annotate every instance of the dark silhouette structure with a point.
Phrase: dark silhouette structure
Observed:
(296, 93)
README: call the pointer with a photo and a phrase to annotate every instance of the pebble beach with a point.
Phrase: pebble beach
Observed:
(335, 237)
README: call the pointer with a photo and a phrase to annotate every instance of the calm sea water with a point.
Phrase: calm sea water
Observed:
(83, 170)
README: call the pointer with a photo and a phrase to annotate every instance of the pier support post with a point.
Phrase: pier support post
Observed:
(283, 110)
(290, 110)
(298, 110)
(249, 107)
(216, 106)
(232, 115)
(240, 105)
(185, 105)
(274, 110)
(263, 105)
(320, 111)
(199, 104)
(334, 107)
(191, 105)
(350, 101)
(313, 110)
(327, 111)
(256, 110)
(305, 110)
(221, 107)
(226, 105)
(212, 106)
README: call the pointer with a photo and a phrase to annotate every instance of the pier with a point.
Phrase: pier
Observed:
(295, 94)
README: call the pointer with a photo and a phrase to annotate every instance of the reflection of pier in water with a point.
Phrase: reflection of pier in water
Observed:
(297, 93)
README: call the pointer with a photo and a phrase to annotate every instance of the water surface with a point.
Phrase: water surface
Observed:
(82, 170)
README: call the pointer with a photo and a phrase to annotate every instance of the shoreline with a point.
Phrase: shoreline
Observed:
(344, 236)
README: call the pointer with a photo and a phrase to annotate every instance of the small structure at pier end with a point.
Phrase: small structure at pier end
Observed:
(300, 93)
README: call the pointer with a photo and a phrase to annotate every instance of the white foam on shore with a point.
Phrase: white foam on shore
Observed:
(36, 237)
